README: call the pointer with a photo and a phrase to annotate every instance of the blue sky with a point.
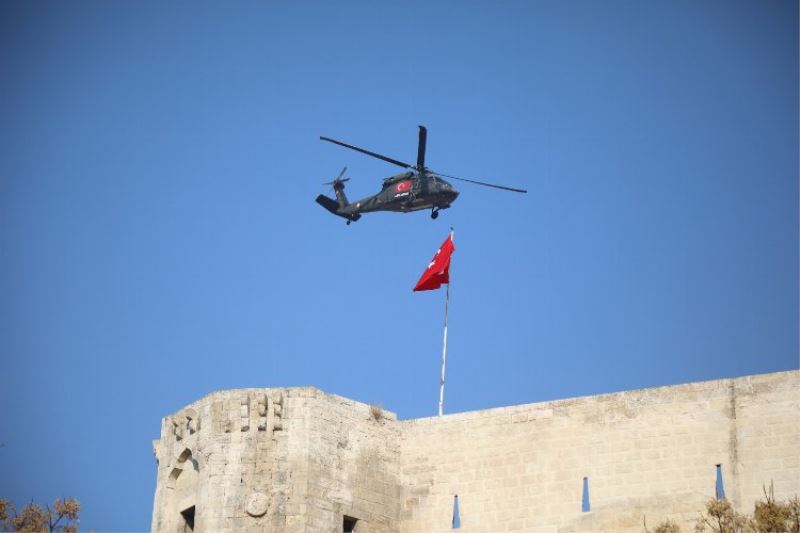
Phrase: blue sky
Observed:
(159, 238)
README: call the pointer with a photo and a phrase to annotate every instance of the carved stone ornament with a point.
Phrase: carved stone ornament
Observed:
(257, 504)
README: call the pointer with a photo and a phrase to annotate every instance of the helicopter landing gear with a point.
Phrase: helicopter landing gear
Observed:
(434, 213)
(348, 222)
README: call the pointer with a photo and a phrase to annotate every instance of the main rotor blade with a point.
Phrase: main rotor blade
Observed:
(373, 154)
(480, 183)
(423, 137)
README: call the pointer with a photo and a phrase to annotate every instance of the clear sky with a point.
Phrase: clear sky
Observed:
(159, 238)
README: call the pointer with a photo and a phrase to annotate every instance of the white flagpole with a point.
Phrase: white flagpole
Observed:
(444, 342)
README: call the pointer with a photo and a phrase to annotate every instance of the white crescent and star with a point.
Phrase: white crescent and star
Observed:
(434, 259)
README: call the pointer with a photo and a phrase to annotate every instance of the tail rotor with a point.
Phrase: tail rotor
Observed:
(338, 181)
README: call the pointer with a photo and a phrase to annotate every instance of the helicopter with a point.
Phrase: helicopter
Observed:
(416, 189)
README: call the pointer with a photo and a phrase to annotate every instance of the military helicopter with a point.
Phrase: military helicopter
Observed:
(418, 188)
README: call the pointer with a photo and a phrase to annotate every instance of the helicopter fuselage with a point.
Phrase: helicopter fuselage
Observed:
(401, 193)
(406, 192)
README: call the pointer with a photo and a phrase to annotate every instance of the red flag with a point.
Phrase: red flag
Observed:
(438, 270)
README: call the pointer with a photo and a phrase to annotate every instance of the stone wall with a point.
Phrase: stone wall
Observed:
(353, 466)
(299, 460)
(767, 435)
(650, 452)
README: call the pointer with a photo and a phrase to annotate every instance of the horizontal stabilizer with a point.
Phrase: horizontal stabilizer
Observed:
(333, 206)
(329, 203)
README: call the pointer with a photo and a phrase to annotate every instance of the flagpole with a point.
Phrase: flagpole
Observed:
(444, 341)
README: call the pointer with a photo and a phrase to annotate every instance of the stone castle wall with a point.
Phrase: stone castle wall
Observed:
(300, 460)
(650, 452)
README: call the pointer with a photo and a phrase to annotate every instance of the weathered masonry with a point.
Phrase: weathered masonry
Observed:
(300, 460)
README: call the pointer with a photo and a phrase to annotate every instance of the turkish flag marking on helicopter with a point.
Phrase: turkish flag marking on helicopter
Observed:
(403, 186)
(438, 270)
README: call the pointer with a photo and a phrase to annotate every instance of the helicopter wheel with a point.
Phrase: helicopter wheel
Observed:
(348, 222)
(434, 214)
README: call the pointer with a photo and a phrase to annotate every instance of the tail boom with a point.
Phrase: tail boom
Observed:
(334, 207)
